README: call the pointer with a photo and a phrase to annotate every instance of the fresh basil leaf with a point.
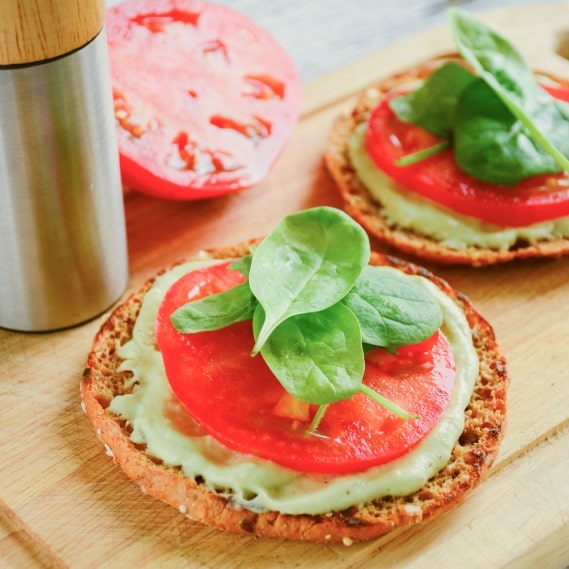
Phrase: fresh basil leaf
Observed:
(501, 65)
(215, 311)
(307, 263)
(432, 105)
(317, 356)
(392, 309)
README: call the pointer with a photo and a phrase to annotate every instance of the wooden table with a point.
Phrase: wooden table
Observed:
(64, 504)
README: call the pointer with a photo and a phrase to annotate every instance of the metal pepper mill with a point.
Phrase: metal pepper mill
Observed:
(63, 254)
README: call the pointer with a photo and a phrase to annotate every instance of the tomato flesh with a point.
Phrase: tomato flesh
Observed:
(237, 399)
(204, 98)
(439, 179)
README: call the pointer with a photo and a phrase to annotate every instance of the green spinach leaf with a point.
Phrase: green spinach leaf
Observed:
(317, 356)
(432, 105)
(307, 263)
(500, 64)
(215, 311)
(243, 264)
(392, 309)
(491, 144)
(494, 58)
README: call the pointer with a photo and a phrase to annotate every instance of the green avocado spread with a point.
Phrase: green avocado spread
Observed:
(158, 422)
(401, 208)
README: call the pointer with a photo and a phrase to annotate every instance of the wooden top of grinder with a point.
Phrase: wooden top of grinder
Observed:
(37, 30)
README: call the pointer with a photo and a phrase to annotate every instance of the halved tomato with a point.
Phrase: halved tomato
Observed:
(439, 179)
(204, 98)
(237, 399)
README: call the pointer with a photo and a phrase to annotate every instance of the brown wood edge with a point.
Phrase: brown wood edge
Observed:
(29, 541)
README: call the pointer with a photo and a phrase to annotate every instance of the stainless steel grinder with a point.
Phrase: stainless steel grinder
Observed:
(63, 254)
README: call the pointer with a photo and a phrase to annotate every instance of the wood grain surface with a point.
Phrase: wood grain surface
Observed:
(63, 503)
(36, 30)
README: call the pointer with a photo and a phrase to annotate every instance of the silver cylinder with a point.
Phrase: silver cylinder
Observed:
(63, 254)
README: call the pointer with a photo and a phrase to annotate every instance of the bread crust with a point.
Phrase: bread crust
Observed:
(471, 458)
(364, 208)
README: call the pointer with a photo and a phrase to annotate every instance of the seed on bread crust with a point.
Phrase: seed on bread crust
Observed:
(364, 208)
(472, 456)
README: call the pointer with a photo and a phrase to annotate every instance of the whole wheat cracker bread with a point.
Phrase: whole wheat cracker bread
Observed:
(364, 208)
(471, 458)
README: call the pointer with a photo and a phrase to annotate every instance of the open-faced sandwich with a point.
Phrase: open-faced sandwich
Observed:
(299, 386)
(462, 159)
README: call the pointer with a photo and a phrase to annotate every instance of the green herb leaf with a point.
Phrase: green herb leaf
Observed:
(500, 64)
(307, 263)
(215, 311)
(494, 58)
(243, 265)
(492, 145)
(392, 309)
(432, 105)
(318, 356)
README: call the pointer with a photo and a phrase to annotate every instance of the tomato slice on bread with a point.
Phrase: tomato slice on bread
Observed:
(237, 399)
(204, 98)
(439, 179)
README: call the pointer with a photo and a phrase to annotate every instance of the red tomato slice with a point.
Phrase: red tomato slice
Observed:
(237, 399)
(439, 179)
(204, 98)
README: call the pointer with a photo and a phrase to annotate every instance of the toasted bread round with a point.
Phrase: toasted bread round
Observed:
(471, 458)
(364, 208)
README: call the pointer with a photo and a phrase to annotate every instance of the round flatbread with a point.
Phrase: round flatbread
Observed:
(471, 458)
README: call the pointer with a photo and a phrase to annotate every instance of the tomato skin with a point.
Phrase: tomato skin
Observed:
(439, 179)
(234, 396)
(205, 99)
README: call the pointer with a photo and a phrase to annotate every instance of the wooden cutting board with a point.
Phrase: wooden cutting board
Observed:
(63, 503)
